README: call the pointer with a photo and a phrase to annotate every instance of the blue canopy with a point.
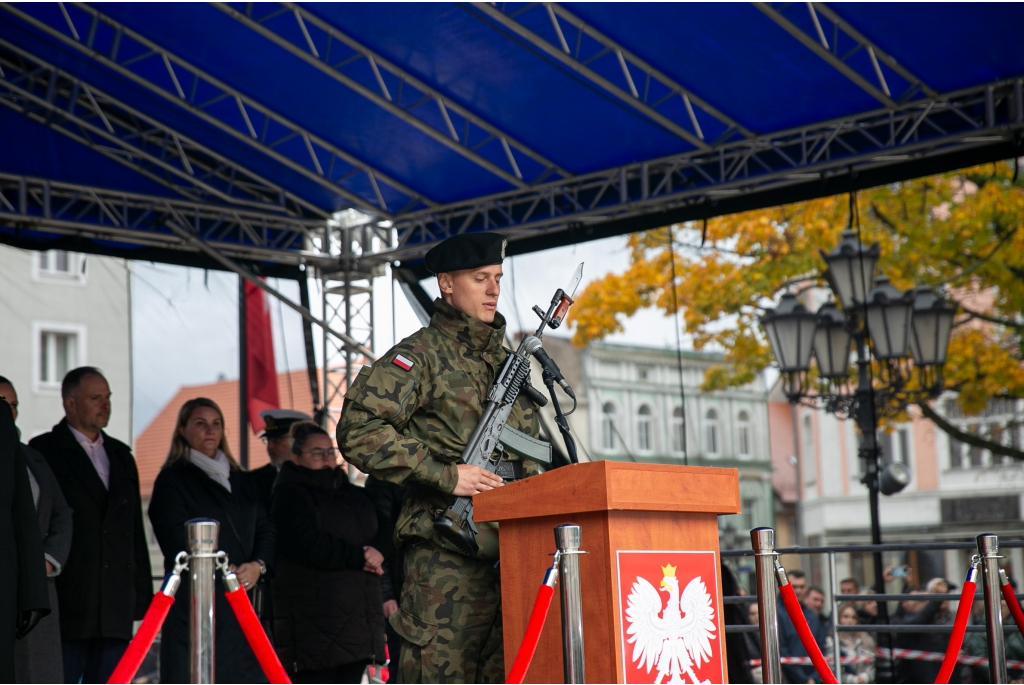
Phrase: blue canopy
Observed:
(139, 129)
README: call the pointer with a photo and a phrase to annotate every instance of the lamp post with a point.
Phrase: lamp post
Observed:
(906, 333)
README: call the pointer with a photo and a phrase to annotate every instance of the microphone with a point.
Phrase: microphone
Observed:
(533, 346)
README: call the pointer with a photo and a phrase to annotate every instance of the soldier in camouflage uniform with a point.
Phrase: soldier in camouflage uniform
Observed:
(406, 419)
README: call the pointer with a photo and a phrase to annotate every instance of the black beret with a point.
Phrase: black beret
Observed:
(466, 251)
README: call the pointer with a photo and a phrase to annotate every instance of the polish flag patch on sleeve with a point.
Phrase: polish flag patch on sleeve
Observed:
(402, 363)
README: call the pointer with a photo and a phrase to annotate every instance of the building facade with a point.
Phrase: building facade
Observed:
(955, 492)
(60, 310)
(631, 409)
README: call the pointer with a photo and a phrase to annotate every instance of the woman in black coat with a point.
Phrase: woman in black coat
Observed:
(200, 479)
(328, 617)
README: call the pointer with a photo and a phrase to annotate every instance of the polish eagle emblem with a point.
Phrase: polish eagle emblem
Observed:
(677, 638)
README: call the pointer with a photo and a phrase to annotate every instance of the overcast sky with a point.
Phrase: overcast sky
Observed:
(185, 321)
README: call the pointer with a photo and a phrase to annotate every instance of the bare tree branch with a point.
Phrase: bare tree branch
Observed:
(969, 438)
(1009, 323)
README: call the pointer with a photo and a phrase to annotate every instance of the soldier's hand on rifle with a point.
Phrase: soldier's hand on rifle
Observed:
(373, 559)
(473, 480)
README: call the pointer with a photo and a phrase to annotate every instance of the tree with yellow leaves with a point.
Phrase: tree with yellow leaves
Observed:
(961, 232)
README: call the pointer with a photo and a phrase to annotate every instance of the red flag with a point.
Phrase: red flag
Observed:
(260, 368)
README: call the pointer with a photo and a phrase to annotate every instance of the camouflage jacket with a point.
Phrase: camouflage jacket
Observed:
(409, 425)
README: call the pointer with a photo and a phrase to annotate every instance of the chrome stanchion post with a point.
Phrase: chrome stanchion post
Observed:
(988, 548)
(763, 542)
(837, 658)
(202, 537)
(567, 541)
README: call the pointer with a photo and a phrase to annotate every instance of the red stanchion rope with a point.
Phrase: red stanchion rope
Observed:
(796, 615)
(132, 658)
(261, 646)
(533, 629)
(1011, 601)
(956, 639)
(159, 606)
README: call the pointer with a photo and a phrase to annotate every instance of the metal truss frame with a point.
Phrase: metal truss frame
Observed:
(395, 90)
(960, 120)
(103, 124)
(72, 209)
(826, 22)
(131, 55)
(347, 299)
(640, 86)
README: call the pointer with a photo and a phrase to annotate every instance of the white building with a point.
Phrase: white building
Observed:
(630, 409)
(59, 310)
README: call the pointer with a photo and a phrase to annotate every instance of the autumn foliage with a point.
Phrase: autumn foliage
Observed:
(961, 232)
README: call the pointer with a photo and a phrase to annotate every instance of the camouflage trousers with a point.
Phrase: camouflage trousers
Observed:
(450, 619)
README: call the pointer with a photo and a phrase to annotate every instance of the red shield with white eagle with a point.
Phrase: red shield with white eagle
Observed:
(669, 617)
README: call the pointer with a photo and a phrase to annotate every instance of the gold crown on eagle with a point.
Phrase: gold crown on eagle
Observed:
(669, 571)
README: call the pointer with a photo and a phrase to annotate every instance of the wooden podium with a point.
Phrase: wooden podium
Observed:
(619, 506)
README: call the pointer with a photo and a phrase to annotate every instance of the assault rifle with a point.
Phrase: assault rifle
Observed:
(492, 436)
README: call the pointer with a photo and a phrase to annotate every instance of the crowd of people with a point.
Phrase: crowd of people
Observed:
(867, 664)
(313, 551)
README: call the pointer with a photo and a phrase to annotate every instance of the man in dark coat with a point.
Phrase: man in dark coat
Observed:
(38, 656)
(932, 612)
(277, 423)
(24, 601)
(107, 582)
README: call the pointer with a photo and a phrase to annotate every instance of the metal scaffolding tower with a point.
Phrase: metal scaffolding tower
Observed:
(347, 300)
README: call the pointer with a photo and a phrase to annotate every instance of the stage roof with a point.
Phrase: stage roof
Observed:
(134, 129)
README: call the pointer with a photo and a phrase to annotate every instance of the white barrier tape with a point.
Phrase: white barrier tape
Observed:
(911, 654)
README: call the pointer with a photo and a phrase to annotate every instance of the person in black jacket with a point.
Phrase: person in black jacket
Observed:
(388, 499)
(37, 657)
(200, 479)
(106, 583)
(932, 612)
(327, 600)
(24, 601)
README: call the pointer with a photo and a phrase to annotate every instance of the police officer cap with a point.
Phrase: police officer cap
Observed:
(279, 421)
(466, 251)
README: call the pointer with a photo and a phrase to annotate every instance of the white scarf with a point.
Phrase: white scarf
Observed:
(218, 468)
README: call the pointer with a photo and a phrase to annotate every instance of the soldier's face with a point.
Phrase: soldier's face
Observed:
(473, 291)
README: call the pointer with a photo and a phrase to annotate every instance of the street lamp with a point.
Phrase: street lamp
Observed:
(851, 268)
(832, 342)
(790, 331)
(895, 328)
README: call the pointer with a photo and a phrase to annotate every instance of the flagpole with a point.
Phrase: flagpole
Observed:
(243, 380)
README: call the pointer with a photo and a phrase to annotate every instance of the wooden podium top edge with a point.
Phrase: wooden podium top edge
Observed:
(614, 486)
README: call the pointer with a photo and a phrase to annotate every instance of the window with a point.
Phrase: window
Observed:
(54, 261)
(743, 434)
(747, 513)
(644, 443)
(645, 373)
(58, 354)
(677, 429)
(711, 445)
(895, 446)
(808, 458)
(999, 421)
(59, 266)
(608, 426)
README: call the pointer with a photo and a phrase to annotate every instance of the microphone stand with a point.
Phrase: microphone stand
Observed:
(560, 420)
